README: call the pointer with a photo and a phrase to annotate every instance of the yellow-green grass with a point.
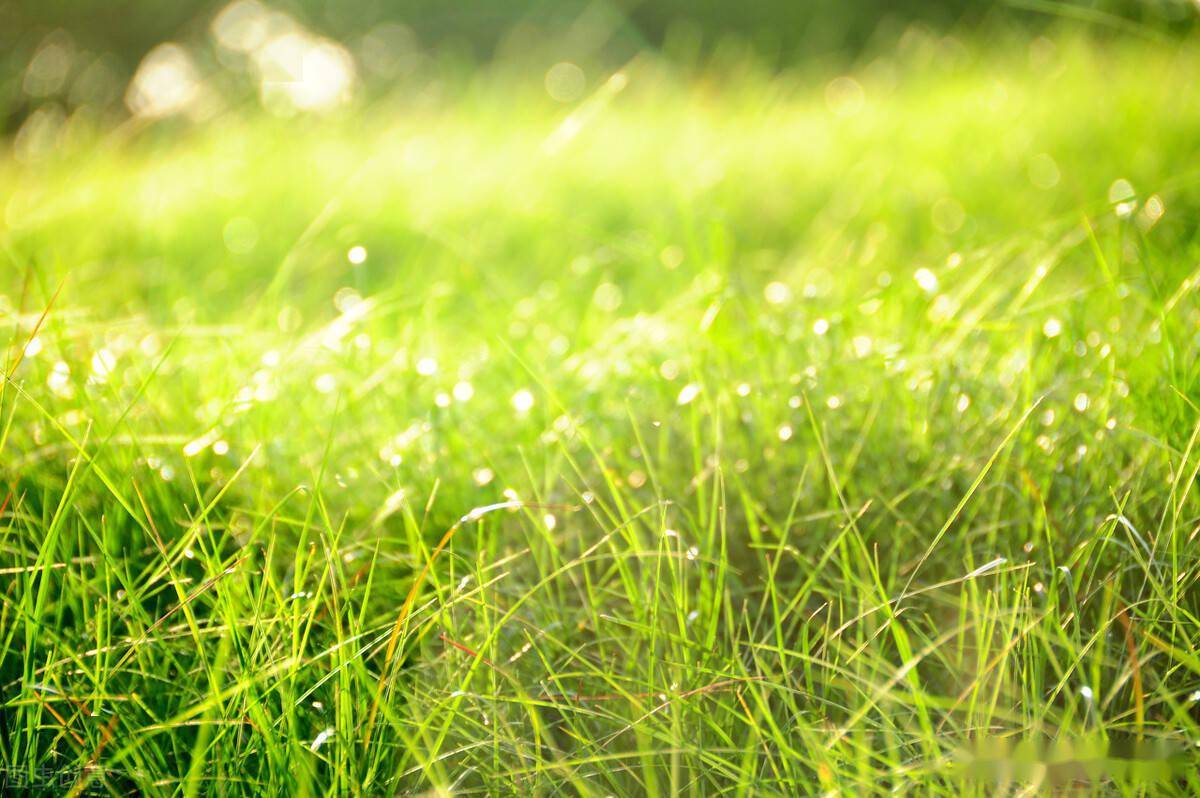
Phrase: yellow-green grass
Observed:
(841, 430)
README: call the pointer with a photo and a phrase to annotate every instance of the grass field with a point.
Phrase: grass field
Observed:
(724, 433)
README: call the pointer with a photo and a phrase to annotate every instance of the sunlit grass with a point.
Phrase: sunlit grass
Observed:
(719, 434)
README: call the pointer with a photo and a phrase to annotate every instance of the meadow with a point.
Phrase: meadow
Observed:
(729, 431)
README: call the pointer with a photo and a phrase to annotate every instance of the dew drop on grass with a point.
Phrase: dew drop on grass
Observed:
(689, 392)
(784, 432)
(221, 448)
(1052, 328)
(33, 347)
(1122, 196)
(608, 297)
(926, 280)
(482, 476)
(777, 293)
(963, 403)
(346, 299)
(743, 389)
(833, 402)
(522, 401)
(197, 445)
(59, 380)
(820, 326)
(321, 739)
(103, 364)
(1153, 211)
(325, 383)
(549, 520)
(426, 367)
(463, 391)
(1081, 402)
(442, 399)
(357, 254)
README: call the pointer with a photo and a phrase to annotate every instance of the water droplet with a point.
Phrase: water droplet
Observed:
(357, 254)
(926, 280)
(777, 293)
(59, 380)
(522, 400)
(689, 392)
(103, 363)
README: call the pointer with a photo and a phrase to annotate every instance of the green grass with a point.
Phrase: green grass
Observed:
(787, 515)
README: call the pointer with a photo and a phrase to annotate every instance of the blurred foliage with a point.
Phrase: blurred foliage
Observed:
(103, 42)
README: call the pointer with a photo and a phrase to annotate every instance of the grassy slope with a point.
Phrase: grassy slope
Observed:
(206, 556)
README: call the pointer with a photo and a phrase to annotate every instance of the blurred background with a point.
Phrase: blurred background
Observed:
(94, 62)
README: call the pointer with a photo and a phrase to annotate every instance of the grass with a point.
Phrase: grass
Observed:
(725, 434)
